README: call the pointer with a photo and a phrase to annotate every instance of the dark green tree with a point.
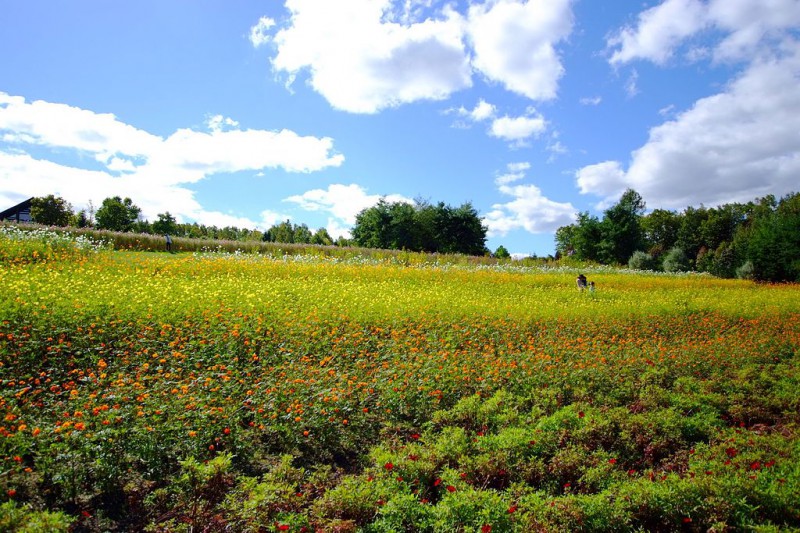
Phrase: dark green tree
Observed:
(774, 245)
(620, 228)
(372, 227)
(51, 210)
(166, 224)
(660, 230)
(117, 214)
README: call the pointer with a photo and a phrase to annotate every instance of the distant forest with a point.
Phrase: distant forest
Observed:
(757, 240)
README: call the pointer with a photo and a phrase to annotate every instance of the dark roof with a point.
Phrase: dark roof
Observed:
(14, 212)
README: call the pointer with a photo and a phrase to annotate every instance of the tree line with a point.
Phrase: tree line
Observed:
(420, 227)
(758, 240)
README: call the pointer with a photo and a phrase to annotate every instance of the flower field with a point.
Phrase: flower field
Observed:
(205, 392)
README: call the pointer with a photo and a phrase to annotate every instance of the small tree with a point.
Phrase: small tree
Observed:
(165, 225)
(51, 211)
(641, 261)
(675, 261)
(117, 214)
(502, 252)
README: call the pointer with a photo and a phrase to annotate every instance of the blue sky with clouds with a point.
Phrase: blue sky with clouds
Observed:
(247, 113)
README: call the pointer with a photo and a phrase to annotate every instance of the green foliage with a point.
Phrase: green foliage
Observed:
(641, 261)
(502, 252)
(774, 245)
(436, 228)
(675, 260)
(16, 519)
(51, 211)
(165, 225)
(116, 214)
(209, 392)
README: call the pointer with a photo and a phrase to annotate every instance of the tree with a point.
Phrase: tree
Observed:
(675, 260)
(421, 227)
(165, 225)
(774, 246)
(51, 210)
(371, 229)
(117, 214)
(660, 230)
(502, 252)
(322, 237)
(621, 231)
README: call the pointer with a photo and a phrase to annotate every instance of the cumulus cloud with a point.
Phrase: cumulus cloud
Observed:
(529, 210)
(362, 62)
(514, 43)
(733, 146)
(518, 129)
(747, 26)
(343, 202)
(363, 56)
(150, 169)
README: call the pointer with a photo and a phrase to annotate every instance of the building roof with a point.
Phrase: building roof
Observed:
(19, 212)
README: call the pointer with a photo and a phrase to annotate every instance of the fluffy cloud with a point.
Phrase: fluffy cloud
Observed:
(151, 169)
(361, 61)
(514, 43)
(518, 129)
(344, 202)
(746, 24)
(736, 145)
(529, 210)
(367, 55)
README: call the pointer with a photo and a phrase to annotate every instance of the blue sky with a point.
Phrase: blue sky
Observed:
(247, 113)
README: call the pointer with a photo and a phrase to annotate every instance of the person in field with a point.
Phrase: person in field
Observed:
(168, 240)
(581, 282)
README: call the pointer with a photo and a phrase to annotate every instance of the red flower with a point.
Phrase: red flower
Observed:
(283, 527)
(581, 414)
(451, 488)
(415, 436)
(486, 528)
(731, 452)
(687, 520)
(612, 461)
(437, 482)
(388, 466)
(755, 465)
(512, 509)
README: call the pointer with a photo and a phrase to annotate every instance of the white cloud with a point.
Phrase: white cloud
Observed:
(344, 202)
(363, 56)
(659, 31)
(153, 171)
(514, 43)
(529, 210)
(361, 62)
(601, 179)
(594, 100)
(259, 34)
(748, 27)
(734, 146)
(483, 111)
(518, 129)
